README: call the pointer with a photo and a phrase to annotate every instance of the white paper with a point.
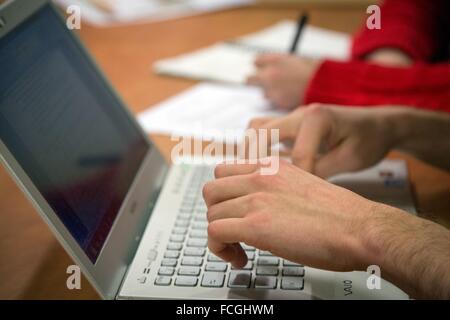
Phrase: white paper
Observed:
(314, 42)
(232, 62)
(135, 11)
(208, 112)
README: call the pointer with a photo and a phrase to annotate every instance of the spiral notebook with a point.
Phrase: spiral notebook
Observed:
(232, 61)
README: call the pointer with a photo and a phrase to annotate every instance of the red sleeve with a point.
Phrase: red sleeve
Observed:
(362, 84)
(417, 27)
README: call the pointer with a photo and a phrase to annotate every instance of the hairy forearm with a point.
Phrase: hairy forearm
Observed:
(424, 134)
(412, 253)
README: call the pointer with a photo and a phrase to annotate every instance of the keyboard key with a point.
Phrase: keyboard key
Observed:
(216, 266)
(171, 254)
(213, 279)
(142, 279)
(198, 234)
(169, 262)
(200, 219)
(201, 210)
(182, 223)
(239, 279)
(191, 196)
(268, 261)
(163, 281)
(267, 271)
(174, 246)
(250, 255)
(189, 271)
(246, 247)
(177, 238)
(191, 261)
(197, 243)
(188, 204)
(265, 282)
(263, 253)
(186, 281)
(186, 210)
(288, 263)
(166, 271)
(293, 271)
(184, 216)
(292, 283)
(200, 202)
(178, 230)
(248, 266)
(214, 258)
(199, 225)
(194, 251)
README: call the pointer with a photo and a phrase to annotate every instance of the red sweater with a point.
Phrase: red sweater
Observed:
(420, 28)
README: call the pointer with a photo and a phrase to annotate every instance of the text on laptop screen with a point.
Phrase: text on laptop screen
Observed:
(66, 129)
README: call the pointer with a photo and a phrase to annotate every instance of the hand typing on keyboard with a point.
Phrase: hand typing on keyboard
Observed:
(292, 214)
(302, 218)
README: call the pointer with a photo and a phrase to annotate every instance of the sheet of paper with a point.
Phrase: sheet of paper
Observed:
(106, 13)
(208, 112)
(220, 63)
(232, 62)
(314, 42)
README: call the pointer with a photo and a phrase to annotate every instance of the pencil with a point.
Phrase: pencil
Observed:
(303, 19)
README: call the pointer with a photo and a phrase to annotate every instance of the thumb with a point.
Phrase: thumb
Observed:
(340, 159)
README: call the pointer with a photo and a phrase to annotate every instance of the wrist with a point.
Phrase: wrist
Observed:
(397, 126)
(387, 240)
(370, 237)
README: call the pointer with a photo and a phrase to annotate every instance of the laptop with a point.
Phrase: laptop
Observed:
(136, 227)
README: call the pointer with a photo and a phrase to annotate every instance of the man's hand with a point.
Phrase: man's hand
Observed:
(328, 139)
(292, 214)
(302, 218)
(284, 78)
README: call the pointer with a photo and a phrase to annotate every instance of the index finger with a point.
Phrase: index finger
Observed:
(232, 169)
(312, 132)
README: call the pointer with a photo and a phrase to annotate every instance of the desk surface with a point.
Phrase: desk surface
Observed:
(32, 263)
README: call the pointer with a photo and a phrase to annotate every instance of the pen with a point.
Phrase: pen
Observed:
(303, 19)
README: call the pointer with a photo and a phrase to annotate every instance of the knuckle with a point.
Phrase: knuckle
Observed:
(260, 220)
(207, 192)
(315, 109)
(211, 213)
(213, 230)
(258, 179)
(219, 170)
(255, 199)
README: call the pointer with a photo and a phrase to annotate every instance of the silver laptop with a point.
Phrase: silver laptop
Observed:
(135, 227)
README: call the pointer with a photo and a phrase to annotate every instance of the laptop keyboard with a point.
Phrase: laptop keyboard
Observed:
(187, 261)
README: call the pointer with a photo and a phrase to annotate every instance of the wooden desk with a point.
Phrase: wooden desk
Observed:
(32, 263)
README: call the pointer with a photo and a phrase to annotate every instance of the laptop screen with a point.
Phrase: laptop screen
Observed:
(66, 129)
